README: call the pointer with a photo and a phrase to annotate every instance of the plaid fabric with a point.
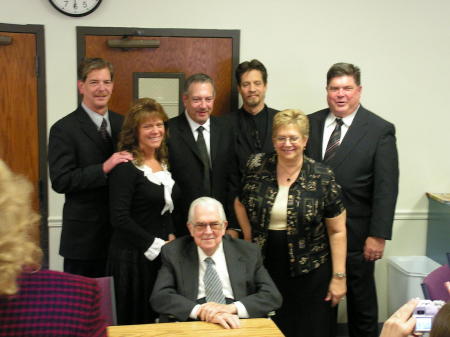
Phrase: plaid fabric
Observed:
(51, 303)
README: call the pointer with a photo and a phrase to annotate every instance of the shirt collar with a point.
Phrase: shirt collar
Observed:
(347, 120)
(217, 254)
(194, 125)
(96, 117)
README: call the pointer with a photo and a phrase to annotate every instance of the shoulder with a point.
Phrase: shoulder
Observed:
(177, 246)
(127, 168)
(68, 120)
(271, 111)
(316, 168)
(375, 120)
(243, 247)
(259, 160)
(115, 116)
(59, 280)
(319, 115)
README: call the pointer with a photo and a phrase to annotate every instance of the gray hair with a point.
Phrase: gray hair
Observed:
(206, 201)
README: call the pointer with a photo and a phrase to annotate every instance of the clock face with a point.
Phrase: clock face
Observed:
(76, 7)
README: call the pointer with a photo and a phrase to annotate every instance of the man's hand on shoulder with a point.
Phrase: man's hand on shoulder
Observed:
(209, 310)
(374, 248)
(115, 159)
(228, 321)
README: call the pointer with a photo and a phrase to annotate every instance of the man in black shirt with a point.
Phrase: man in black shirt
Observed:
(253, 121)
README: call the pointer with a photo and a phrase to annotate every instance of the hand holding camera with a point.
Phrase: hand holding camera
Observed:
(424, 314)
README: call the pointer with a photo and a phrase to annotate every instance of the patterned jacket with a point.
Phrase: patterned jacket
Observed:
(51, 303)
(314, 196)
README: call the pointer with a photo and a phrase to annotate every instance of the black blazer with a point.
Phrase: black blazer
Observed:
(187, 168)
(176, 287)
(76, 153)
(366, 167)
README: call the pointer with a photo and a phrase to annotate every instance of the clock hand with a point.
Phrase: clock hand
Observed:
(75, 6)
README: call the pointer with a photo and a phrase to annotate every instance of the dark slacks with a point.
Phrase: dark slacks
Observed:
(88, 268)
(362, 305)
(304, 311)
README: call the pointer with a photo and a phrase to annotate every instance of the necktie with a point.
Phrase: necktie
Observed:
(104, 132)
(334, 142)
(205, 159)
(213, 286)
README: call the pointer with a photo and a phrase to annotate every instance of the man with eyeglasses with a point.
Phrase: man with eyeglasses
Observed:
(360, 147)
(201, 151)
(81, 153)
(210, 276)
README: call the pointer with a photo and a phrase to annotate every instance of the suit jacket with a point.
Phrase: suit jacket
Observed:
(76, 153)
(245, 140)
(176, 287)
(366, 167)
(186, 167)
(51, 303)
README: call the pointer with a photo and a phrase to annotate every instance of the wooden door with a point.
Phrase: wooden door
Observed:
(22, 110)
(215, 53)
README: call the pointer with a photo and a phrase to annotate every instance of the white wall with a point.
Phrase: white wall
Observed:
(402, 47)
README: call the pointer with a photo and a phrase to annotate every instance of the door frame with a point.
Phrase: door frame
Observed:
(234, 34)
(38, 31)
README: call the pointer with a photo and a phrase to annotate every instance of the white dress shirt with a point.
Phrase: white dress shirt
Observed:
(206, 132)
(330, 124)
(97, 118)
(220, 264)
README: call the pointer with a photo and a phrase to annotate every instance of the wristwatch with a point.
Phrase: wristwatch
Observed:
(340, 275)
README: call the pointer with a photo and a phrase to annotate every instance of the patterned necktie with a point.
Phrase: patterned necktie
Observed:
(334, 142)
(205, 159)
(213, 286)
(104, 131)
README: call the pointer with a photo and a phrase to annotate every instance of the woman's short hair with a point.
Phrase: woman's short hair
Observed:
(19, 251)
(291, 117)
(142, 109)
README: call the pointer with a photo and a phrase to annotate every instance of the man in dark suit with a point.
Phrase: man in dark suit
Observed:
(81, 154)
(253, 121)
(212, 277)
(361, 149)
(201, 151)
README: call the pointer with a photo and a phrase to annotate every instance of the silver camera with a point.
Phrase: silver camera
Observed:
(424, 314)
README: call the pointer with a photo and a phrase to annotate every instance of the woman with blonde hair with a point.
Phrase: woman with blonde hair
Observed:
(35, 302)
(291, 206)
(140, 207)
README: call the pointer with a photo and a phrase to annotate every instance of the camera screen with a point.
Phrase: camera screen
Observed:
(423, 324)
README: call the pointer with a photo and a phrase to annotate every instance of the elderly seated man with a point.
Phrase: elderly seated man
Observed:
(212, 277)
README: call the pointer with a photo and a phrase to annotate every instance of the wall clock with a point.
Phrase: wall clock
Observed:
(76, 7)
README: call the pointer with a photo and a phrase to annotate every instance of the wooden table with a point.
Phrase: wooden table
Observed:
(259, 327)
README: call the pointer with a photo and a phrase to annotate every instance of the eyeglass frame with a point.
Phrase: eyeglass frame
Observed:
(201, 227)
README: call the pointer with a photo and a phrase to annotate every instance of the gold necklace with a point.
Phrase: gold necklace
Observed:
(297, 169)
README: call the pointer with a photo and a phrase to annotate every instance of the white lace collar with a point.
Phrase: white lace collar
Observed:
(161, 178)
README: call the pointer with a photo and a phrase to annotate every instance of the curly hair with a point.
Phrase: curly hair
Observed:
(18, 221)
(291, 116)
(141, 110)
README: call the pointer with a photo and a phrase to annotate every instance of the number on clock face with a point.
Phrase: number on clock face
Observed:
(76, 7)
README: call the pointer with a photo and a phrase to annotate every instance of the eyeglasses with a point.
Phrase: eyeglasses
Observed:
(292, 139)
(201, 226)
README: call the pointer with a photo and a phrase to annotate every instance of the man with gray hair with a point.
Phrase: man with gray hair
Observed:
(210, 276)
(201, 151)
(360, 147)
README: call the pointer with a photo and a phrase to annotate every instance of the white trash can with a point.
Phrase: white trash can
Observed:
(405, 274)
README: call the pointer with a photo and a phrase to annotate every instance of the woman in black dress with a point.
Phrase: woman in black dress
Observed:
(140, 205)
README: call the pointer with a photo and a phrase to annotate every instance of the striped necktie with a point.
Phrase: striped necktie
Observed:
(213, 286)
(334, 142)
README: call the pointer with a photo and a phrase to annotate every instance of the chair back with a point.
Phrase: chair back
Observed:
(107, 299)
(433, 285)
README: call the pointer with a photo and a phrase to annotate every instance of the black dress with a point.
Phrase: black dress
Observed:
(136, 204)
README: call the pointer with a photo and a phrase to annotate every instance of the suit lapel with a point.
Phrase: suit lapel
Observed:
(316, 136)
(116, 126)
(214, 137)
(90, 129)
(236, 269)
(186, 135)
(357, 130)
(189, 268)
